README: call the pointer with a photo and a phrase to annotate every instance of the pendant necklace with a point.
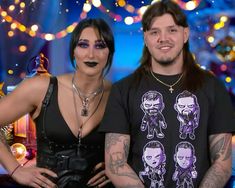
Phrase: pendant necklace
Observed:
(165, 84)
(86, 98)
(88, 118)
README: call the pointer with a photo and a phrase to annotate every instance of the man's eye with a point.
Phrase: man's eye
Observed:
(153, 33)
(82, 44)
(173, 30)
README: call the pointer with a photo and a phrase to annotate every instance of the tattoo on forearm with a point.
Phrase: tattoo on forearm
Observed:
(216, 177)
(117, 165)
(221, 148)
(110, 140)
(117, 161)
(126, 148)
(3, 140)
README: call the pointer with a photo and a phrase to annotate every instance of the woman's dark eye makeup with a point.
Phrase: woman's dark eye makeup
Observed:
(99, 44)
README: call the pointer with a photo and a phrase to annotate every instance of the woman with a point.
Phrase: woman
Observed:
(67, 111)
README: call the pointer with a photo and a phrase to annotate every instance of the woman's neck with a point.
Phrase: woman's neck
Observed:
(87, 84)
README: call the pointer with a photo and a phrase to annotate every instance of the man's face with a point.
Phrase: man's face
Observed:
(184, 157)
(186, 105)
(153, 157)
(165, 40)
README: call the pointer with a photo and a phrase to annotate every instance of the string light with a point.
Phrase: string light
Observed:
(14, 24)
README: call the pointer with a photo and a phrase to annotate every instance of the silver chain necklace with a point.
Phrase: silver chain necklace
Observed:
(75, 90)
(86, 98)
(88, 118)
(165, 84)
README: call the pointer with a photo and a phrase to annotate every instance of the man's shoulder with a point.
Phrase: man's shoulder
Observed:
(125, 80)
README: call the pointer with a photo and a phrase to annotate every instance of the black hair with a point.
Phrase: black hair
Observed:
(193, 75)
(104, 31)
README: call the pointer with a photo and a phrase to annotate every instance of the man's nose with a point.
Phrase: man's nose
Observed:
(162, 37)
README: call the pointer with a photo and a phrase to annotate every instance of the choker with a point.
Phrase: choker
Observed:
(165, 84)
(86, 98)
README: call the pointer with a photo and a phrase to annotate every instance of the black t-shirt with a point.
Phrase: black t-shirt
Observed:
(169, 131)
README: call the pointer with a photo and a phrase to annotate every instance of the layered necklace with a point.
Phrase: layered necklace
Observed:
(85, 108)
(86, 98)
(171, 89)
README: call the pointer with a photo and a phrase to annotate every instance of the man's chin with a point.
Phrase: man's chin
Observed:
(165, 62)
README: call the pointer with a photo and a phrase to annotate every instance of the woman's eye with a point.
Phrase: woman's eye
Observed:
(82, 44)
(100, 45)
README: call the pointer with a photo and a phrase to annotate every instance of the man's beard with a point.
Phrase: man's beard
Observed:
(167, 62)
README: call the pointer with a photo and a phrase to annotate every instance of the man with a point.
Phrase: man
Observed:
(168, 91)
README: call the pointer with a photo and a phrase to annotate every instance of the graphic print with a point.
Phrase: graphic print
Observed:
(153, 120)
(188, 114)
(154, 164)
(184, 158)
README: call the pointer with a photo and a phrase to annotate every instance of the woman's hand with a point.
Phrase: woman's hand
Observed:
(33, 176)
(100, 179)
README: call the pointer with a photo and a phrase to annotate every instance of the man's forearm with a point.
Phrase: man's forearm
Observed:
(123, 176)
(221, 169)
(117, 169)
(216, 177)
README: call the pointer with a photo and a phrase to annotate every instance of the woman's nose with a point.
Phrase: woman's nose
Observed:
(91, 52)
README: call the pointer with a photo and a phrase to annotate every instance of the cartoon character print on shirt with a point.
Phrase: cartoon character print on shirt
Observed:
(184, 158)
(154, 164)
(153, 120)
(188, 114)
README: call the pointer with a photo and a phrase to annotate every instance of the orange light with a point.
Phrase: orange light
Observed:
(22, 48)
(18, 150)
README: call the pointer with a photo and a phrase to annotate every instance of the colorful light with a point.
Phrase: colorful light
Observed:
(34, 27)
(96, 3)
(11, 7)
(10, 71)
(18, 150)
(128, 20)
(228, 79)
(86, 7)
(189, 5)
(10, 33)
(22, 48)
(121, 3)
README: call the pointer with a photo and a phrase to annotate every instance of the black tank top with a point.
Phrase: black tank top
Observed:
(55, 139)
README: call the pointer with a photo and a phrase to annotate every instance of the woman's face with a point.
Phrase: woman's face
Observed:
(91, 52)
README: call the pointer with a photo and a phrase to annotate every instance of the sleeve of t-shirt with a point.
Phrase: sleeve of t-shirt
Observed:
(115, 118)
(222, 118)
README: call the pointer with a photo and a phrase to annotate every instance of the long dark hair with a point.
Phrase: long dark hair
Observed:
(193, 75)
(104, 31)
